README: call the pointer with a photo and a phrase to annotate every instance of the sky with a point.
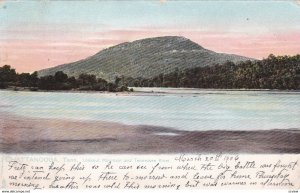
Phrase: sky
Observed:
(40, 34)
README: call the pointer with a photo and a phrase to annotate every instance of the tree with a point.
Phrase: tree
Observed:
(8, 76)
(87, 80)
(61, 77)
(34, 79)
(24, 79)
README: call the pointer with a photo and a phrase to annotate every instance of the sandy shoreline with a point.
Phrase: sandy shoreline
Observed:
(35, 135)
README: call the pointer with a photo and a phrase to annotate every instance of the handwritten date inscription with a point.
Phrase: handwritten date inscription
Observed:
(151, 172)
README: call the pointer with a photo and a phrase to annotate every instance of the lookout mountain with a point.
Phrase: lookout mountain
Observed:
(145, 58)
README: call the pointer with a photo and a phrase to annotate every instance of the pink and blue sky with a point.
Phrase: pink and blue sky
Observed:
(41, 34)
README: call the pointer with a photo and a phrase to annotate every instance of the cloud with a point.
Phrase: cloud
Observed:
(162, 2)
(297, 2)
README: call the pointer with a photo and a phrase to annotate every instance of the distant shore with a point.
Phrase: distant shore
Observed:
(155, 90)
(36, 135)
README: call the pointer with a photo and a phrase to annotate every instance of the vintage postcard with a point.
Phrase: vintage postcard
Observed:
(161, 95)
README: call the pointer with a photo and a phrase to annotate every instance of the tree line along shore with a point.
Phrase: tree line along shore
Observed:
(274, 72)
(59, 81)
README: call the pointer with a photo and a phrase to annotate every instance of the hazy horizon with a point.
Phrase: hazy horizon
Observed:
(41, 34)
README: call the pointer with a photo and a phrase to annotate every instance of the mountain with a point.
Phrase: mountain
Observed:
(145, 58)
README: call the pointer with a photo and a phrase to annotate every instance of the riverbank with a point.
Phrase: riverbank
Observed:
(158, 91)
(36, 135)
(27, 89)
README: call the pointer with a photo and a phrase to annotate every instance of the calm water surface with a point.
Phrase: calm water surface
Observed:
(186, 109)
